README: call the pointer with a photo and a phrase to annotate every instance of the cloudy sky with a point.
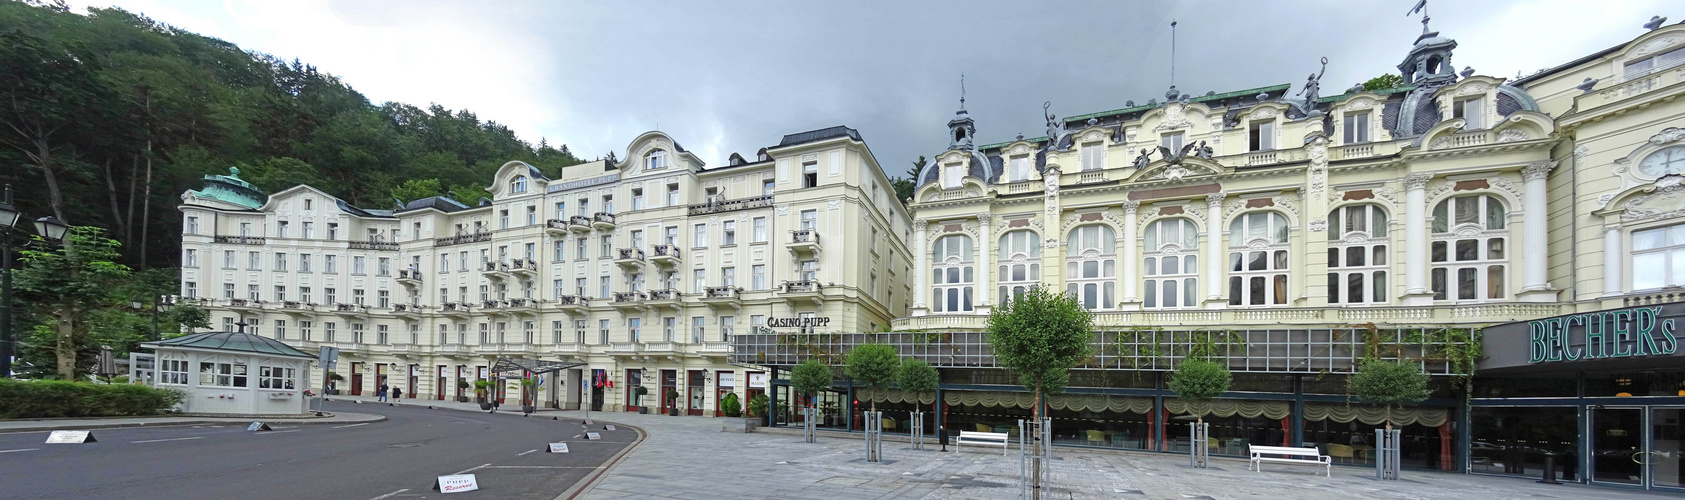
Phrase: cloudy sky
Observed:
(724, 76)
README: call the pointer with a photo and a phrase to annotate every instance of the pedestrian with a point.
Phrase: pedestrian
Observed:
(397, 393)
(380, 393)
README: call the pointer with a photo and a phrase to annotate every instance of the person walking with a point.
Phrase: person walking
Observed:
(380, 393)
(397, 393)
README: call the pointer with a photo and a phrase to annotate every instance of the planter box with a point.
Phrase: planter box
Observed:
(742, 424)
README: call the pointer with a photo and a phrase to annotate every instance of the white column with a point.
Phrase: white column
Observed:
(1416, 234)
(1214, 247)
(985, 249)
(1613, 278)
(921, 283)
(1126, 251)
(1534, 224)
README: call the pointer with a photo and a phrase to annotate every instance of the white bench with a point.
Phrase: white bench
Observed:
(1282, 454)
(988, 438)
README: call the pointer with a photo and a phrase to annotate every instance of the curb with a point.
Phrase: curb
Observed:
(589, 482)
(378, 418)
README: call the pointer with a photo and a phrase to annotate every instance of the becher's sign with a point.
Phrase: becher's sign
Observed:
(797, 322)
(1640, 331)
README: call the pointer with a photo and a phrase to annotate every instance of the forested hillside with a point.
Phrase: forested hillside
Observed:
(106, 118)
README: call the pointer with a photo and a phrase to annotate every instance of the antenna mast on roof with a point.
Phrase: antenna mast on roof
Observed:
(962, 91)
(1422, 7)
(1173, 53)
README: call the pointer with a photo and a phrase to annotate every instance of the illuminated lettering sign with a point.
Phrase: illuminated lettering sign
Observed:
(1603, 334)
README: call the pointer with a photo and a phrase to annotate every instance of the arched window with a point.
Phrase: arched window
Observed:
(1020, 263)
(1258, 259)
(952, 273)
(1172, 264)
(1357, 255)
(518, 185)
(655, 160)
(1091, 266)
(1469, 242)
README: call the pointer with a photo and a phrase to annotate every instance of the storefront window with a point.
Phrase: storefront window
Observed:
(1663, 383)
(1346, 433)
(1531, 386)
(1514, 440)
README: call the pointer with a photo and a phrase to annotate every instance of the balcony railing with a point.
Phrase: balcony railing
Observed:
(1351, 151)
(462, 238)
(629, 254)
(602, 218)
(573, 300)
(491, 304)
(407, 274)
(714, 207)
(665, 250)
(664, 294)
(242, 240)
(802, 286)
(580, 221)
(556, 224)
(1261, 158)
(804, 236)
(724, 292)
(374, 245)
(627, 297)
(351, 308)
(454, 307)
(524, 265)
(295, 305)
(521, 303)
(245, 303)
(405, 308)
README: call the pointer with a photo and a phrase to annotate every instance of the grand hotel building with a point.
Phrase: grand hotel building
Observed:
(1296, 236)
(641, 270)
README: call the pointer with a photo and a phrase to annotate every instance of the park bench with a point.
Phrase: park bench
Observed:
(988, 438)
(1286, 455)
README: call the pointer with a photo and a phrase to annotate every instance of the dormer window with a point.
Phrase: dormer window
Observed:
(1262, 136)
(1173, 141)
(1472, 111)
(1020, 168)
(1646, 66)
(1094, 156)
(518, 185)
(1356, 128)
(951, 175)
(655, 160)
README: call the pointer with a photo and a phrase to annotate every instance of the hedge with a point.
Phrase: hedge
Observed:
(58, 398)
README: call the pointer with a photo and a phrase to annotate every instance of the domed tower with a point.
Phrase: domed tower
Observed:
(1429, 61)
(961, 129)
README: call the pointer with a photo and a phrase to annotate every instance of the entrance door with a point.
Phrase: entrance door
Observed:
(1667, 442)
(1617, 445)
(439, 386)
(356, 378)
(415, 373)
(669, 385)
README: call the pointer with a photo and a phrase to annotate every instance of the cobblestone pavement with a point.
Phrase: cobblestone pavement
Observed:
(688, 457)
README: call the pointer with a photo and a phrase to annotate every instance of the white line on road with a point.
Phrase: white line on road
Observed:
(280, 432)
(24, 449)
(524, 453)
(474, 469)
(352, 425)
(540, 467)
(170, 439)
(390, 495)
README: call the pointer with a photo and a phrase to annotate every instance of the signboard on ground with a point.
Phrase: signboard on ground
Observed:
(456, 483)
(258, 426)
(608, 427)
(71, 437)
(593, 435)
(558, 447)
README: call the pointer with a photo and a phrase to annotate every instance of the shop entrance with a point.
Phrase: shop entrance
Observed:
(1638, 446)
(356, 378)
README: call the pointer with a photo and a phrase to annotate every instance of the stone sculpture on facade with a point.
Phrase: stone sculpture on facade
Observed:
(1313, 90)
(1144, 159)
(1055, 127)
(1204, 151)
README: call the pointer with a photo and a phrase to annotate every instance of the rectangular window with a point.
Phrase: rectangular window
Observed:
(383, 298)
(810, 174)
(190, 288)
(637, 199)
(1472, 111)
(251, 293)
(359, 265)
(697, 329)
(556, 332)
(1093, 156)
(608, 204)
(952, 174)
(281, 329)
(726, 324)
(380, 336)
(280, 262)
(304, 294)
(602, 332)
(304, 328)
(280, 293)
(309, 230)
(228, 290)
(1262, 136)
(672, 195)
(608, 247)
(532, 215)
(759, 234)
(331, 295)
(503, 219)
(809, 220)
(604, 288)
(632, 325)
(190, 258)
(667, 327)
(757, 279)
(560, 250)
(254, 261)
(304, 263)
(222, 374)
(357, 296)
(384, 266)
(699, 238)
(767, 187)
(328, 331)
(333, 230)
(281, 229)
(578, 331)
(1356, 128)
(698, 281)
(1020, 168)
(228, 259)
(1173, 141)
(728, 276)
(637, 239)
(330, 264)
(728, 232)
(193, 225)
(245, 229)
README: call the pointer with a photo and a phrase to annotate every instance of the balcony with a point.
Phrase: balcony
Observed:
(245, 305)
(408, 277)
(579, 224)
(663, 297)
(352, 348)
(526, 268)
(454, 309)
(351, 310)
(1645, 85)
(667, 349)
(723, 296)
(718, 351)
(720, 206)
(556, 227)
(523, 306)
(603, 221)
(406, 310)
(666, 255)
(495, 269)
(628, 300)
(407, 350)
(510, 349)
(630, 258)
(574, 304)
(453, 351)
(461, 239)
(374, 245)
(623, 348)
(296, 307)
(803, 290)
(1285, 317)
(804, 242)
(566, 350)
(241, 240)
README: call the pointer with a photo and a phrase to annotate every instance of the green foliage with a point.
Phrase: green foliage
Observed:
(415, 189)
(1389, 383)
(1041, 335)
(460, 384)
(918, 377)
(875, 365)
(1199, 380)
(75, 292)
(639, 391)
(904, 186)
(810, 377)
(672, 395)
(730, 407)
(335, 376)
(482, 386)
(758, 404)
(58, 398)
(1383, 82)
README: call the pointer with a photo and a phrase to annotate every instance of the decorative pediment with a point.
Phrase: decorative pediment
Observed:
(1188, 167)
(1663, 199)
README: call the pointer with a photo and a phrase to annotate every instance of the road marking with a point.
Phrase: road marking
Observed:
(170, 439)
(287, 427)
(281, 432)
(352, 425)
(540, 467)
(474, 469)
(14, 451)
(524, 453)
(390, 495)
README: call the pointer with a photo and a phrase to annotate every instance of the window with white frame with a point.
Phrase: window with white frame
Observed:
(952, 173)
(808, 270)
(1173, 141)
(757, 277)
(1356, 128)
(728, 232)
(952, 273)
(219, 373)
(1472, 111)
(699, 280)
(1020, 263)
(304, 263)
(556, 330)
(1091, 266)
(559, 250)
(172, 371)
(672, 195)
(190, 258)
(637, 199)
(228, 259)
(1258, 259)
(532, 215)
(655, 160)
(275, 377)
(527, 333)
(1019, 168)
(1261, 136)
(809, 220)
(192, 225)
(1658, 257)
(726, 325)
(1171, 265)
(728, 276)
(1469, 248)
(810, 174)
(380, 334)
(518, 184)
(280, 262)
(1649, 65)
(699, 236)
(328, 331)
(1357, 255)
(602, 332)
(632, 327)
(1093, 156)
(304, 331)
(579, 331)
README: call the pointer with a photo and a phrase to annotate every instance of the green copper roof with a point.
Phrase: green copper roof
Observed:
(230, 188)
(986, 147)
(232, 341)
(1393, 90)
(1214, 97)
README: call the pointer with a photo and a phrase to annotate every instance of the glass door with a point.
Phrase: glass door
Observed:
(1617, 441)
(1667, 443)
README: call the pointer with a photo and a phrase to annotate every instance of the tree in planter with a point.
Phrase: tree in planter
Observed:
(638, 395)
(917, 378)
(1041, 335)
(808, 378)
(757, 405)
(529, 395)
(875, 365)
(1197, 381)
(463, 385)
(673, 402)
(335, 378)
(481, 387)
(730, 407)
(1390, 384)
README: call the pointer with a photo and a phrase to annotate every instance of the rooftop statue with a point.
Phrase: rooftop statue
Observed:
(1055, 127)
(1313, 89)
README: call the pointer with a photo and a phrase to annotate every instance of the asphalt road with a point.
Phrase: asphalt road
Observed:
(393, 459)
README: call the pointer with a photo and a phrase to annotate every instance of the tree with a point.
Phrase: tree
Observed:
(1197, 381)
(75, 286)
(917, 378)
(415, 189)
(1389, 384)
(875, 365)
(810, 377)
(1383, 82)
(1041, 335)
(904, 186)
(50, 98)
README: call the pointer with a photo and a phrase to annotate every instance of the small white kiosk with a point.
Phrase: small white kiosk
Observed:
(233, 373)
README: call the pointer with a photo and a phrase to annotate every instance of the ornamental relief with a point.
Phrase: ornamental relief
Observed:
(1667, 201)
(1656, 45)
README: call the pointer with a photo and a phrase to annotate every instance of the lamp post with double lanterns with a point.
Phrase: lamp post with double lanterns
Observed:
(50, 229)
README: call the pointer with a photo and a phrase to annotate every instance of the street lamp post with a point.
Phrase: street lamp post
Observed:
(50, 229)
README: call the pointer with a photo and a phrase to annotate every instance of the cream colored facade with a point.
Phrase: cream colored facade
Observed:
(1453, 200)
(645, 267)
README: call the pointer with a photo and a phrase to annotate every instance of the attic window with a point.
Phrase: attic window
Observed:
(655, 160)
(1646, 66)
(1472, 110)
(951, 175)
(518, 185)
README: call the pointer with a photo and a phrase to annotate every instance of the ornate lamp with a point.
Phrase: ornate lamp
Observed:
(8, 214)
(50, 228)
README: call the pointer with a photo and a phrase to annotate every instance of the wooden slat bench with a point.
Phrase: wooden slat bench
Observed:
(988, 438)
(1282, 454)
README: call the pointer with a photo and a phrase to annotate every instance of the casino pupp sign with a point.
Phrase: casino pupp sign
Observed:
(1641, 331)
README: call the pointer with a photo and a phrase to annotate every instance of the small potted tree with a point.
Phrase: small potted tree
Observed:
(1390, 384)
(462, 385)
(481, 388)
(1197, 381)
(334, 378)
(528, 396)
(757, 408)
(733, 411)
(638, 399)
(672, 402)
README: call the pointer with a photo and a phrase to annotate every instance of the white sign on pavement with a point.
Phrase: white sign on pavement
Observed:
(456, 483)
(71, 437)
(593, 435)
(558, 447)
(608, 427)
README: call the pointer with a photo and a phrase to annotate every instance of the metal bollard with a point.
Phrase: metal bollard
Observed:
(1550, 470)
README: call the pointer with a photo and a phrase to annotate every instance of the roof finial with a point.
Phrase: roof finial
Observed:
(1422, 7)
(1173, 54)
(962, 91)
